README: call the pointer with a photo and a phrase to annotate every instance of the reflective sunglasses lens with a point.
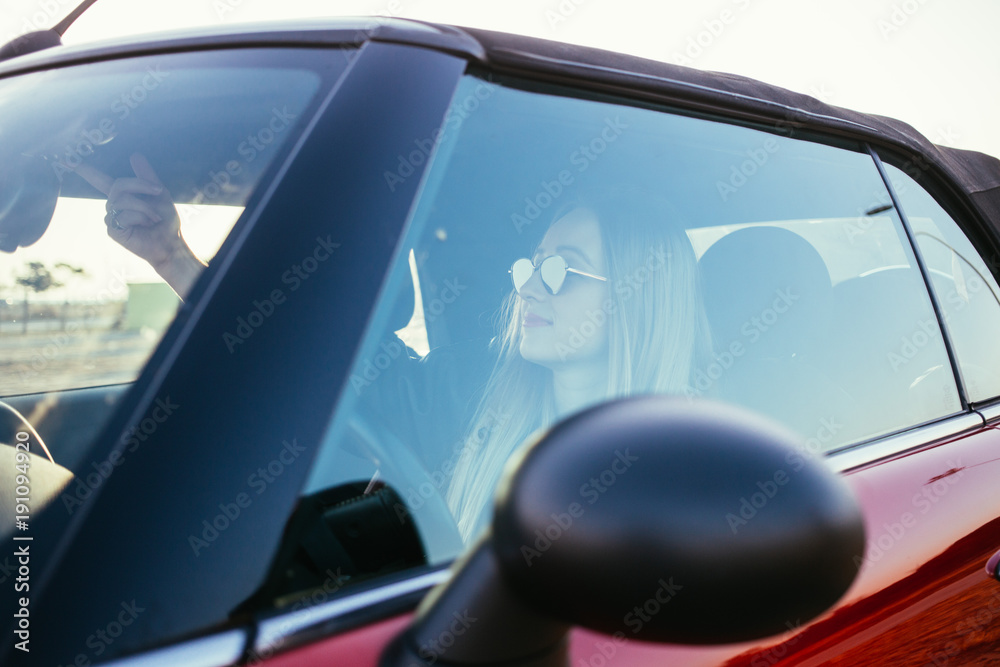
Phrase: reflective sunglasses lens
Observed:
(520, 273)
(553, 271)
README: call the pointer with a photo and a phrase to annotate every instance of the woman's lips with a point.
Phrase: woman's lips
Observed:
(532, 320)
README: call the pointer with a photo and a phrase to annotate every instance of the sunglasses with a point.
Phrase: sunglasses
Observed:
(553, 270)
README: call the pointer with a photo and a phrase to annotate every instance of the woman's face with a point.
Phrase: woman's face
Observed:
(568, 328)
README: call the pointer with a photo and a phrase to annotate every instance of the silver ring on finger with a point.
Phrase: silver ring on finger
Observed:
(114, 219)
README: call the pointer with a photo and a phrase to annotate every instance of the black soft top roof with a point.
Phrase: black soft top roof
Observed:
(976, 174)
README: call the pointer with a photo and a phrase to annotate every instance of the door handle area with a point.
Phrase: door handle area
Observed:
(993, 566)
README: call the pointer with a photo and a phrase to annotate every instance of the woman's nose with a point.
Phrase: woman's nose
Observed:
(534, 289)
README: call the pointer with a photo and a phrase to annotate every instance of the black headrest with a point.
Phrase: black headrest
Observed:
(762, 285)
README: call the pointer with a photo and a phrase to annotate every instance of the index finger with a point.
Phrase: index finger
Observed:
(95, 177)
(144, 170)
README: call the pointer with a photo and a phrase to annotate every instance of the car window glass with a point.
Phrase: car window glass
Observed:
(79, 313)
(693, 257)
(966, 290)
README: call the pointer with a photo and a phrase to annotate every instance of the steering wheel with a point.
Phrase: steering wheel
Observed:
(397, 464)
(12, 422)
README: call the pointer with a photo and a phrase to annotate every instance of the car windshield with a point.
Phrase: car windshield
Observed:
(80, 311)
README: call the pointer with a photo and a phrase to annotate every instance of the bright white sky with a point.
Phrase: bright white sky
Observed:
(929, 62)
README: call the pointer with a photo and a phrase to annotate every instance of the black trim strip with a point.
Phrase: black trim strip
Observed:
(925, 273)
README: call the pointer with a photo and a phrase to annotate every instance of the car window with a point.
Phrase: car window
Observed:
(660, 252)
(80, 311)
(966, 290)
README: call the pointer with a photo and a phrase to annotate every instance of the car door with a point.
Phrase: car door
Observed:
(924, 595)
(819, 312)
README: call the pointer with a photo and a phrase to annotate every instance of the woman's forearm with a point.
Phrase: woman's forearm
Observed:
(180, 269)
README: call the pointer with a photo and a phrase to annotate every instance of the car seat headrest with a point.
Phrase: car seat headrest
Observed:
(765, 284)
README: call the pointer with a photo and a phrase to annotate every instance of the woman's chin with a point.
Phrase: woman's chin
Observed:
(537, 351)
(558, 355)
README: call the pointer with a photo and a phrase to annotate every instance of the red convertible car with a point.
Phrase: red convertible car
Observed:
(380, 342)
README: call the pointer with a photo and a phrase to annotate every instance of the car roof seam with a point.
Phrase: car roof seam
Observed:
(683, 84)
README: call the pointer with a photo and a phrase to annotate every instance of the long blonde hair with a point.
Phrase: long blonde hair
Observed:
(657, 333)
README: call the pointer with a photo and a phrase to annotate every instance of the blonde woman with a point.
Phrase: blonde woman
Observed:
(607, 306)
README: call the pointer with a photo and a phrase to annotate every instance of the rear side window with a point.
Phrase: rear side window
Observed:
(820, 317)
(964, 286)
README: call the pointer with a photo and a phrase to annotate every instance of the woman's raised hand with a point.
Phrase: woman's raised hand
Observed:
(141, 216)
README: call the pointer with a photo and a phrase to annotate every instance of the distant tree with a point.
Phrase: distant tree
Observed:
(38, 278)
(72, 269)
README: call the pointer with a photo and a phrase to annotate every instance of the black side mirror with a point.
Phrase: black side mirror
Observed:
(669, 521)
(29, 189)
